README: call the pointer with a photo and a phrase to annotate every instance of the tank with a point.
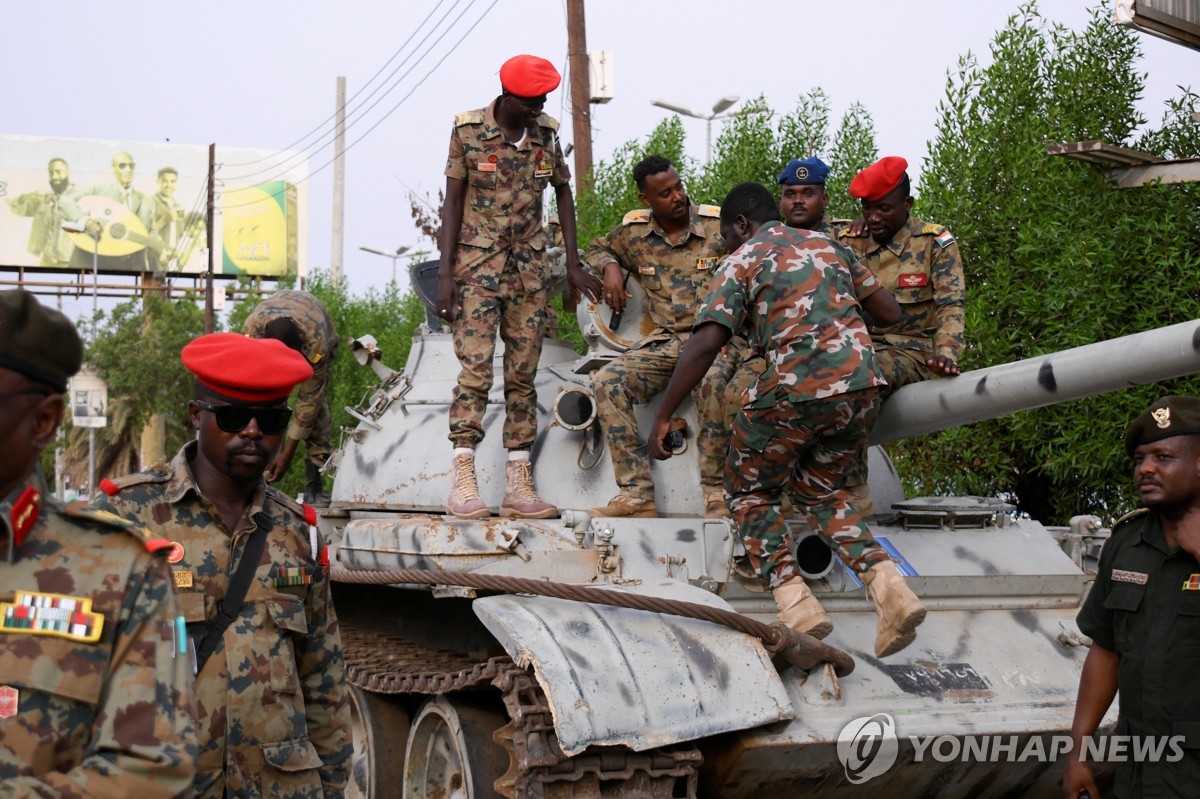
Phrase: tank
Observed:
(581, 657)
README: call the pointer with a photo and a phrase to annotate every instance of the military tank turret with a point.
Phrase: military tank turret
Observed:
(482, 667)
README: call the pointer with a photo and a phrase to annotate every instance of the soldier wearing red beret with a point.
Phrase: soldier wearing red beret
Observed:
(494, 274)
(250, 570)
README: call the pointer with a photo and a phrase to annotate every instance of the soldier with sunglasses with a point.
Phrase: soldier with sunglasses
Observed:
(251, 573)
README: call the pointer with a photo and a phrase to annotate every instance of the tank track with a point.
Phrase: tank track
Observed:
(538, 769)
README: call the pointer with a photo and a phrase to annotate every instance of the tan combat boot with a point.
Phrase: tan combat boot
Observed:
(800, 610)
(627, 506)
(897, 606)
(464, 499)
(714, 505)
(520, 497)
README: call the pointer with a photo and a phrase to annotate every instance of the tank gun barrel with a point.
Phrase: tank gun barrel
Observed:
(1133, 360)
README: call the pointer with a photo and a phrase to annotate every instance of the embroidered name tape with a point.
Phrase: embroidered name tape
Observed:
(1122, 576)
(61, 616)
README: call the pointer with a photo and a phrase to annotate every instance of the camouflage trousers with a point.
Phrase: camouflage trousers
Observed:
(635, 378)
(805, 449)
(319, 444)
(520, 316)
(747, 374)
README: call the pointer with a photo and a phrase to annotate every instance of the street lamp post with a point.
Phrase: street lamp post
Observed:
(718, 107)
(393, 255)
(94, 235)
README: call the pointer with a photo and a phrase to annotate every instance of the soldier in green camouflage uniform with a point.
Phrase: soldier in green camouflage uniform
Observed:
(493, 273)
(271, 701)
(807, 417)
(671, 249)
(95, 685)
(300, 320)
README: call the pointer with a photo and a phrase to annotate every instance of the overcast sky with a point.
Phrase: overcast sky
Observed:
(262, 74)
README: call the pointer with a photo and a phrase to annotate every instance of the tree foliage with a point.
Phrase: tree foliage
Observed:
(1054, 257)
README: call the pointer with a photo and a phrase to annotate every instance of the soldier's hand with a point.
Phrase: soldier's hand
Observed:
(946, 367)
(447, 298)
(857, 227)
(584, 283)
(1077, 779)
(615, 293)
(657, 440)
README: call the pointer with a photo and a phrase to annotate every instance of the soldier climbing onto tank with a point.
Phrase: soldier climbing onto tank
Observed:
(670, 248)
(807, 418)
(493, 273)
(300, 320)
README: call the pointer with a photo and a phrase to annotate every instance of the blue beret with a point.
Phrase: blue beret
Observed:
(797, 172)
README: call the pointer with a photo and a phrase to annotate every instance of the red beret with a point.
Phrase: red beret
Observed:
(529, 76)
(878, 179)
(247, 369)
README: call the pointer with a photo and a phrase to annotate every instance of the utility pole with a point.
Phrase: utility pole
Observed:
(581, 95)
(339, 183)
(209, 316)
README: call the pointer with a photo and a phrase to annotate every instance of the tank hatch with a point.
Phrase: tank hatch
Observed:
(952, 513)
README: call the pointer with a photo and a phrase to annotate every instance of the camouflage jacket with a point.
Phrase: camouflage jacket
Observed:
(799, 293)
(98, 703)
(922, 268)
(271, 702)
(674, 277)
(319, 346)
(505, 184)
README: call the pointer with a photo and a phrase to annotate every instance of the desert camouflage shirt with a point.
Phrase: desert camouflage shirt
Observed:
(319, 346)
(674, 277)
(271, 702)
(505, 185)
(95, 692)
(923, 270)
(799, 294)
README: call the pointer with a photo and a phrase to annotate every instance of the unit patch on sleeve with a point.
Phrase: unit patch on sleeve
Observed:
(67, 617)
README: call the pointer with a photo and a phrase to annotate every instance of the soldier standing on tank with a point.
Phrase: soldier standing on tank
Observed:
(300, 320)
(1143, 613)
(95, 682)
(493, 273)
(252, 576)
(807, 417)
(920, 264)
(670, 248)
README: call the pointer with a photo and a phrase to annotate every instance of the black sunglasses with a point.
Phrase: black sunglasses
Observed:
(234, 418)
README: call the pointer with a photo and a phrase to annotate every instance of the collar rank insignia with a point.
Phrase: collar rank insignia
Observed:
(61, 616)
(25, 514)
(1192, 583)
(1162, 417)
(295, 575)
(8, 701)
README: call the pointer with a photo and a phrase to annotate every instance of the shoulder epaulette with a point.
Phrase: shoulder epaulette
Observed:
(114, 487)
(1133, 514)
(547, 121)
(305, 512)
(468, 118)
(713, 211)
(81, 511)
(636, 215)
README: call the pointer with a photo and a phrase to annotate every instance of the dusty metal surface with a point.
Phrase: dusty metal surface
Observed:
(643, 680)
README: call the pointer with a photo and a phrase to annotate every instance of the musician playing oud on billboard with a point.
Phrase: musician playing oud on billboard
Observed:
(122, 216)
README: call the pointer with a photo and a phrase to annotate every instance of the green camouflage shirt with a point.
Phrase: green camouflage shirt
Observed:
(271, 702)
(319, 346)
(95, 692)
(505, 185)
(800, 295)
(923, 270)
(674, 277)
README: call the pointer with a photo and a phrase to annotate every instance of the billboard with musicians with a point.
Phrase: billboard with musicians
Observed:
(141, 207)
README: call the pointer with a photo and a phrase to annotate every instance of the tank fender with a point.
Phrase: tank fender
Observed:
(637, 678)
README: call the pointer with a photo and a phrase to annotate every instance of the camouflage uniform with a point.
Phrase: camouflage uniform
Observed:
(806, 419)
(311, 421)
(272, 702)
(675, 279)
(500, 269)
(922, 268)
(110, 717)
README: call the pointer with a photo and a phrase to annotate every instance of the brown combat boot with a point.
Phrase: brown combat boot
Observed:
(625, 505)
(800, 610)
(714, 505)
(464, 499)
(520, 497)
(897, 606)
